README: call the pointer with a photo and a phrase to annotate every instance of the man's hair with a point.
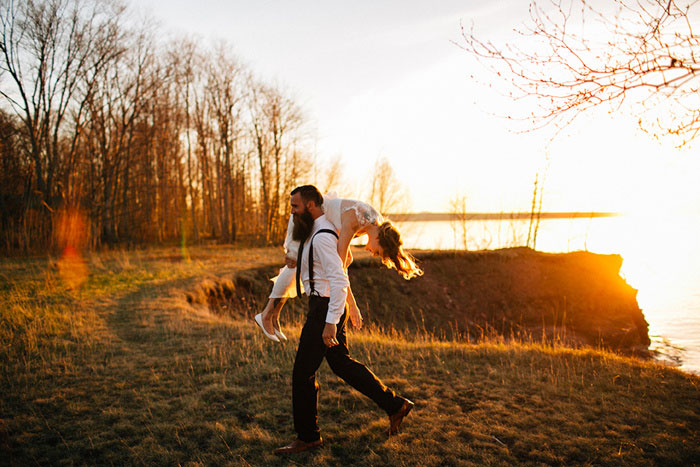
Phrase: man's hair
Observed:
(309, 193)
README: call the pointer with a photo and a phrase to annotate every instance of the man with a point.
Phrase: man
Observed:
(321, 270)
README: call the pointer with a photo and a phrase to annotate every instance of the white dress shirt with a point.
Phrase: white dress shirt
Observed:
(330, 279)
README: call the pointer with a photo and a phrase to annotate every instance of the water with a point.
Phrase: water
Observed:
(660, 259)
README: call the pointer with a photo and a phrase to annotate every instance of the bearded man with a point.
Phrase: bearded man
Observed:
(323, 335)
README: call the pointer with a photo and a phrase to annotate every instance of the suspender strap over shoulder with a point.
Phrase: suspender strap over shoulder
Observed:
(311, 262)
(299, 256)
(311, 258)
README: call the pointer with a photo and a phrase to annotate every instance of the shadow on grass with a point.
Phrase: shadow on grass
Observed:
(153, 379)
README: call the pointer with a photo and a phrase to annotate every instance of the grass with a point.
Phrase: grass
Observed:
(121, 369)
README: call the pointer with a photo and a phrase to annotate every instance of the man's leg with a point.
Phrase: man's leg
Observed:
(359, 376)
(309, 357)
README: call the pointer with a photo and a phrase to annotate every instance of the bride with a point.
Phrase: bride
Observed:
(351, 218)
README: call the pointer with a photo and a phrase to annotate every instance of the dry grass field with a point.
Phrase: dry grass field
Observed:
(105, 362)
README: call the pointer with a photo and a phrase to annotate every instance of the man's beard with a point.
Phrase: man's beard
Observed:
(303, 223)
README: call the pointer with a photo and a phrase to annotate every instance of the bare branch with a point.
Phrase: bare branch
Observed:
(648, 48)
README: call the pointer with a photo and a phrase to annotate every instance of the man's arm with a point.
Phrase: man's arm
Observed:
(326, 246)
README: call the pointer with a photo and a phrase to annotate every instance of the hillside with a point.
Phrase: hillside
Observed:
(574, 298)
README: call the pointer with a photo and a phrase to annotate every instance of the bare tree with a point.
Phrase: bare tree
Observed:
(48, 50)
(225, 85)
(120, 97)
(331, 175)
(387, 194)
(460, 219)
(535, 211)
(204, 153)
(150, 140)
(276, 132)
(15, 180)
(578, 55)
(186, 54)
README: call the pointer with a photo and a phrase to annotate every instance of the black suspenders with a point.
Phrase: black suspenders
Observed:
(311, 262)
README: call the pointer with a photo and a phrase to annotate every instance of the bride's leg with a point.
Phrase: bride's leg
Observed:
(285, 286)
(267, 315)
(277, 304)
(271, 313)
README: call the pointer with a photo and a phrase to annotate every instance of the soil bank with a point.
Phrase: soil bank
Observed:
(577, 298)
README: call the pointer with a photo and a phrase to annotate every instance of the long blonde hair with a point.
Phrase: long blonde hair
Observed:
(394, 256)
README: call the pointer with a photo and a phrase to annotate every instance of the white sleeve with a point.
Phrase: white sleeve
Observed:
(327, 247)
(291, 246)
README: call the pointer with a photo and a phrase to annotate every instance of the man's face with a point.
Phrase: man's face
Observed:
(297, 204)
(301, 217)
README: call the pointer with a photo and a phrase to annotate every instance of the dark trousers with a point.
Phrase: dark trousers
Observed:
(310, 354)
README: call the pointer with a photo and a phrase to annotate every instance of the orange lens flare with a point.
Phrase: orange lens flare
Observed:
(71, 235)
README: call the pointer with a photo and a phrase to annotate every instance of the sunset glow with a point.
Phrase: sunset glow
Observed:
(401, 88)
(493, 210)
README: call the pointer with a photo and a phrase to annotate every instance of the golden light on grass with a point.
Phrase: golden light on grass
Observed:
(72, 268)
(70, 235)
(143, 376)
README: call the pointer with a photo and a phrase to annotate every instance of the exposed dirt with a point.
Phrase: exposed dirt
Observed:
(578, 298)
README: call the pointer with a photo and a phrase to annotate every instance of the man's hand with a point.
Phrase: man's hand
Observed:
(355, 316)
(290, 262)
(329, 335)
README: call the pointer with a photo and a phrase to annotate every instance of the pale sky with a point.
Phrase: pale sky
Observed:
(384, 79)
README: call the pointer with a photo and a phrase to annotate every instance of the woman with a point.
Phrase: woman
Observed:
(351, 218)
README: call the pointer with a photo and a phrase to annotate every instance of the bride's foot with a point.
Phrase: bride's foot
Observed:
(278, 332)
(261, 322)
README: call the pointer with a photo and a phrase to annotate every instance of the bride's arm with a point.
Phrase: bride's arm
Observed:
(349, 259)
(353, 310)
(347, 232)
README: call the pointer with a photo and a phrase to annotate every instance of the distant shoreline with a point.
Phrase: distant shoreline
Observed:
(505, 216)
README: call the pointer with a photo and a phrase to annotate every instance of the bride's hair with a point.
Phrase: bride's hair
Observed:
(394, 256)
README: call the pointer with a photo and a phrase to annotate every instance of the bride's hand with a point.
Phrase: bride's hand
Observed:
(290, 262)
(355, 316)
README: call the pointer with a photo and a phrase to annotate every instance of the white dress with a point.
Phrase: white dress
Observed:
(285, 282)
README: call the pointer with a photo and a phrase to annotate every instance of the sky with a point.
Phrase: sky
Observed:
(388, 79)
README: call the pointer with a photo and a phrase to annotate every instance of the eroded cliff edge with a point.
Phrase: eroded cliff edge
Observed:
(576, 298)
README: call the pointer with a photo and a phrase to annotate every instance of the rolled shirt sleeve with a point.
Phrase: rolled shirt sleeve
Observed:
(327, 247)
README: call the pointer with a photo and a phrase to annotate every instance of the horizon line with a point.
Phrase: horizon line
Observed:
(426, 216)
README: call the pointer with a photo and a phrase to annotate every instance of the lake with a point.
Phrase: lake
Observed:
(660, 258)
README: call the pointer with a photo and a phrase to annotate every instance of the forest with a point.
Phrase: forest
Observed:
(114, 133)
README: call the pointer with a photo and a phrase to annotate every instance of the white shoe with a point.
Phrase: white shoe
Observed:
(280, 334)
(258, 319)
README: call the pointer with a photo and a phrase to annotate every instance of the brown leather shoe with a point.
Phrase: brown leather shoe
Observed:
(299, 446)
(396, 419)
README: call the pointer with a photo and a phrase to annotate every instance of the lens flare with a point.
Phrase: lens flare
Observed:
(70, 236)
